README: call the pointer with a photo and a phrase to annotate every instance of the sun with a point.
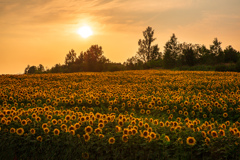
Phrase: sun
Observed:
(85, 31)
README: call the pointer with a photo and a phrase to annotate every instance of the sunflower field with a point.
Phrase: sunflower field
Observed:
(148, 114)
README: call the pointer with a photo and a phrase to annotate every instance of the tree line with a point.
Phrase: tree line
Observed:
(183, 56)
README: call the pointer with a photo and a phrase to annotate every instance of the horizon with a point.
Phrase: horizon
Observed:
(43, 32)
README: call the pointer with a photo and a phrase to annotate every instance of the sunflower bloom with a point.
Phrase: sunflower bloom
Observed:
(20, 131)
(56, 132)
(191, 141)
(111, 140)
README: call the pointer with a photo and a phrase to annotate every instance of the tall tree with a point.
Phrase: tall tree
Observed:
(26, 69)
(94, 59)
(171, 52)
(32, 69)
(216, 51)
(70, 57)
(147, 52)
(40, 68)
(204, 55)
(231, 55)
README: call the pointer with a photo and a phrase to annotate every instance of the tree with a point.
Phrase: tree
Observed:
(32, 70)
(171, 52)
(26, 69)
(147, 52)
(94, 60)
(204, 55)
(189, 55)
(70, 57)
(231, 55)
(216, 51)
(40, 68)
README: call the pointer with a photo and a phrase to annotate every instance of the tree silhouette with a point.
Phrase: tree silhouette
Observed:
(147, 52)
(171, 52)
(32, 69)
(231, 55)
(70, 57)
(216, 51)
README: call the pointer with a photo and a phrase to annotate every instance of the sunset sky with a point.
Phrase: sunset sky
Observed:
(43, 31)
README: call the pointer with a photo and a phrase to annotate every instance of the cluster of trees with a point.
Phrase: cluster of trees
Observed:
(92, 60)
(182, 54)
(175, 54)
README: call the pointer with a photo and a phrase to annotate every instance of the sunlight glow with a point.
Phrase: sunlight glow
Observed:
(85, 31)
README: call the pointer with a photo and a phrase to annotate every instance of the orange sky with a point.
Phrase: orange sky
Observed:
(43, 31)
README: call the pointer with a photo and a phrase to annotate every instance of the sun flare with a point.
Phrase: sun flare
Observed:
(85, 31)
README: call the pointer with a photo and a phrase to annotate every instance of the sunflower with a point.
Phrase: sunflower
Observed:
(85, 155)
(124, 138)
(232, 131)
(86, 137)
(130, 132)
(71, 128)
(146, 125)
(118, 129)
(46, 130)
(101, 136)
(125, 131)
(100, 125)
(161, 124)
(204, 134)
(225, 115)
(155, 122)
(63, 126)
(142, 111)
(111, 140)
(153, 135)
(44, 125)
(32, 131)
(39, 138)
(221, 132)
(88, 129)
(134, 131)
(38, 119)
(77, 125)
(12, 130)
(145, 133)
(167, 138)
(72, 132)
(140, 124)
(191, 141)
(20, 131)
(214, 134)
(148, 111)
(24, 122)
(54, 121)
(98, 131)
(56, 131)
(149, 138)
(207, 140)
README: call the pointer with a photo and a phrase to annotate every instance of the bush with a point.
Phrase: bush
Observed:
(238, 66)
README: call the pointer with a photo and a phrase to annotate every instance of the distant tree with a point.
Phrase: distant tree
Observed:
(204, 56)
(231, 55)
(26, 69)
(32, 70)
(147, 52)
(216, 52)
(171, 52)
(40, 68)
(70, 57)
(189, 54)
(93, 59)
